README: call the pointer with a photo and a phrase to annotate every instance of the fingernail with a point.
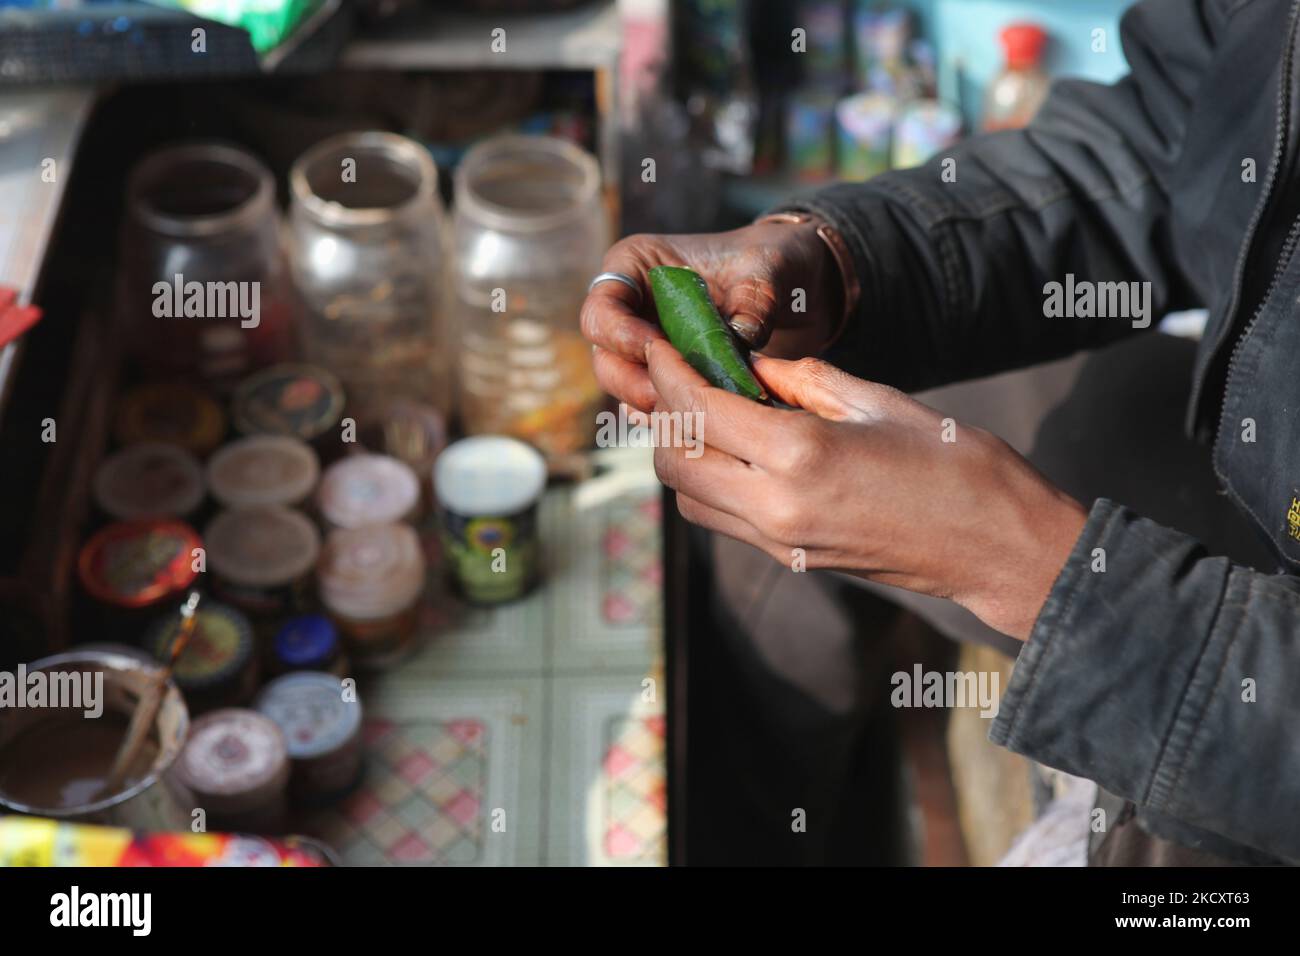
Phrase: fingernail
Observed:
(747, 328)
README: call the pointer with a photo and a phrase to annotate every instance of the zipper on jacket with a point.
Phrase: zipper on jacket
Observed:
(1288, 248)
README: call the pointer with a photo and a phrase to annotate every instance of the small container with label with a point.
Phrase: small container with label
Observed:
(262, 559)
(218, 667)
(309, 642)
(149, 480)
(301, 401)
(371, 580)
(132, 569)
(321, 723)
(263, 470)
(236, 764)
(488, 488)
(171, 413)
(368, 489)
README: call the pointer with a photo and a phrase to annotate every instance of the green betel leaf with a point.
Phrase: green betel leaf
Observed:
(692, 323)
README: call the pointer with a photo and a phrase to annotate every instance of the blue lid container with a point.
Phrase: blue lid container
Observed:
(308, 642)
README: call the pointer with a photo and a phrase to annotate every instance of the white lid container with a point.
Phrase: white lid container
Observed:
(489, 475)
(368, 489)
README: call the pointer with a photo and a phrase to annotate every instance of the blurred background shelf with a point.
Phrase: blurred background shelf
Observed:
(588, 38)
(427, 39)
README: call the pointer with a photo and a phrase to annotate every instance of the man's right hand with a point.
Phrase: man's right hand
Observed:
(754, 275)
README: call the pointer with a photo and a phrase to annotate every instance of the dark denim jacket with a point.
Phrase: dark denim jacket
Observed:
(1172, 678)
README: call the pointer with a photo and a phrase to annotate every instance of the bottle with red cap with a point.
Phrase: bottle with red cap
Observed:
(1020, 88)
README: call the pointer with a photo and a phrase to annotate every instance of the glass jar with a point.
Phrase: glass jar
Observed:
(530, 231)
(203, 289)
(367, 251)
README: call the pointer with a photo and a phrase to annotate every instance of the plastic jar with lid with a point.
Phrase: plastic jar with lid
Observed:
(368, 489)
(488, 488)
(172, 413)
(371, 580)
(262, 558)
(149, 480)
(300, 401)
(219, 666)
(309, 642)
(236, 764)
(530, 231)
(321, 724)
(134, 568)
(263, 470)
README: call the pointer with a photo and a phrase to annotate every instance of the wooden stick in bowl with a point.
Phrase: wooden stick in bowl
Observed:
(146, 707)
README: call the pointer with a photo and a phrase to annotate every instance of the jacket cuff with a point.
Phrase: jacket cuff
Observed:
(835, 209)
(1108, 684)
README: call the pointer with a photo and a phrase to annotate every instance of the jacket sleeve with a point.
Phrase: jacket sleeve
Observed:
(953, 272)
(1170, 679)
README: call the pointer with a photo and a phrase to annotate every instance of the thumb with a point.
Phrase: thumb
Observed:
(820, 388)
(748, 308)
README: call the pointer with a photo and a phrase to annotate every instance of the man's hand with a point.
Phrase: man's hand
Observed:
(752, 273)
(864, 481)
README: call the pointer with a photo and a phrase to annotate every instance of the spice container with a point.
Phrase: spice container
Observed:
(237, 766)
(309, 642)
(368, 489)
(204, 287)
(369, 259)
(171, 413)
(321, 724)
(149, 480)
(133, 568)
(262, 557)
(301, 401)
(218, 667)
(488, 488)
(370, 581)
(263, 470)
(530, 232)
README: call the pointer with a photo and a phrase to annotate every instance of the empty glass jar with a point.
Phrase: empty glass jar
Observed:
(368, 260)
(202, 286)
(530, 231)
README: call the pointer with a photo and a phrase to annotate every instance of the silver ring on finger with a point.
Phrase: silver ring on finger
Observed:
(627, 280)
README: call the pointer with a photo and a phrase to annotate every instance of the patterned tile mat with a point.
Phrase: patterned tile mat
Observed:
(421, 800)
(634, 827)
(608, 796)
(476, 733)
